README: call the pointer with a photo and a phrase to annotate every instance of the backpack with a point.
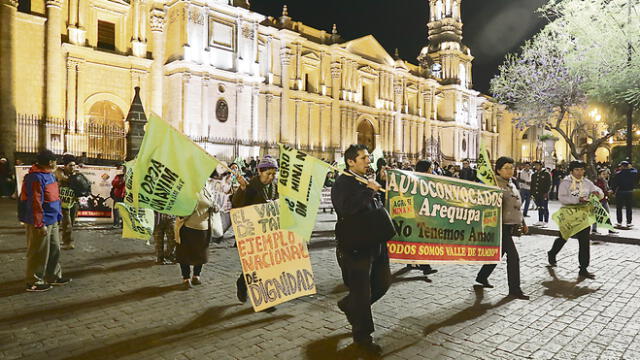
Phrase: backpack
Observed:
(80, 185)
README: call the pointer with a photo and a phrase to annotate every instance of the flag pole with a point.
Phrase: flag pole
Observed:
(343, 172)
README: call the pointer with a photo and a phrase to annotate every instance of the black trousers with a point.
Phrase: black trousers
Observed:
(185, 269)
(583, 251)
(367, 276)
(513, 262)
(624, 199)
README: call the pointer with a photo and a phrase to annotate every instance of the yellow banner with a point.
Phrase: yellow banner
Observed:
(275, 262)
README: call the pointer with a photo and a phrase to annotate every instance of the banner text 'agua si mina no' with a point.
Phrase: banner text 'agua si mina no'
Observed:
(440, 219)
(275, 262)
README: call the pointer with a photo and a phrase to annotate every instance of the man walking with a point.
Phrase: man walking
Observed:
(540, 187)
(365, 268)
(624, 181)
(40, 211)
(575, 189)
(524, 181)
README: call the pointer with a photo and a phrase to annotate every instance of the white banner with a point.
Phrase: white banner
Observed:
(95, 207)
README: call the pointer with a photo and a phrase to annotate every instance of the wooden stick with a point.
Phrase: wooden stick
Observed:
(344, 172)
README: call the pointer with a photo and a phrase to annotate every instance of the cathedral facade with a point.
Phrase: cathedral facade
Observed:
(235, 81)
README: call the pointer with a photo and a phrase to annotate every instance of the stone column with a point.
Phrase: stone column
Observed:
(184, 93)
(54, 60)
(267, 118)
(398, 135)
(421, 139)
(8, 131)
(255, 93)
(72, 95)
(156, 20)
(285, 124)
(138, 43)
(343, 129)
(204, 106)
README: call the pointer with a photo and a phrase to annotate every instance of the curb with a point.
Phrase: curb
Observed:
(604, 238)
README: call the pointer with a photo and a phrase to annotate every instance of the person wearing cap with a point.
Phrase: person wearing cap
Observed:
(575, 189)
(40, 210)
(259, 190)
(623, 183)
(68, 198)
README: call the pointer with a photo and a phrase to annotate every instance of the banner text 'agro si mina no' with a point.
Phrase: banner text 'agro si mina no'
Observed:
(440, 219)
(275, 262)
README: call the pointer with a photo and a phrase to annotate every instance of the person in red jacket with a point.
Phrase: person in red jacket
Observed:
(40, 210)
(118, 192)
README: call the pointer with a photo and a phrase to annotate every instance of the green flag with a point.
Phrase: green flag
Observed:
(485, 172)
(169, 170)
(375, 155)
(240, 161)
(300, 183)
(136, 223)
(572, 219)
(601, 214)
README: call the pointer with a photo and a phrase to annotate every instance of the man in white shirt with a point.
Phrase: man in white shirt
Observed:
(524, 180)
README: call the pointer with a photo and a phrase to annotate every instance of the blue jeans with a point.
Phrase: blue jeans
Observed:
(526, 198)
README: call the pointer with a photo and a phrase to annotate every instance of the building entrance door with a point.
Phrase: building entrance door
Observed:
(366, 135)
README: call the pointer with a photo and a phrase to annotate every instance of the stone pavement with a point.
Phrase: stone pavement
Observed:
(122, 306)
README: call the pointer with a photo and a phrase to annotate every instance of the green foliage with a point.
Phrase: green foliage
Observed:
(619, 153)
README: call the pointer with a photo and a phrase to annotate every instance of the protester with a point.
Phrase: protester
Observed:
(540, 187)
(423, 166)
(365, 271)
(511, 222)
(624, 181)
(524, 180)
(557, 174)
(575, 189)
(467, 173)
(68, 199)
(5, 178)
(381, 176)
(118, 192)
(603, 183)
(192, 235)
(164, 238)
(40, 210)
(260, 190)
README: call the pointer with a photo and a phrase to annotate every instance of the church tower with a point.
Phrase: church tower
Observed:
(446, 57)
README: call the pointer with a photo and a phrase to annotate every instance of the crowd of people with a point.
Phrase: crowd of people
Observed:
(49, 195)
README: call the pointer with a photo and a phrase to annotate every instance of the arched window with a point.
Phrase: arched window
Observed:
(366, 135)
(106, 131)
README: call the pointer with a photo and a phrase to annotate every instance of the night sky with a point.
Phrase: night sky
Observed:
(492, 28)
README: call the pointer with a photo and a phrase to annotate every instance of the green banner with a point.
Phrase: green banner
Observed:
(572, 219)
(601, 214)
(136, 223)
(485, 171)
(169, 171)
(300, 181)
(442, 219)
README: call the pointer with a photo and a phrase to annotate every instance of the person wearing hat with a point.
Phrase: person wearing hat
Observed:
(575, 189)
(624, 181)
(68, 198)
(259, 190)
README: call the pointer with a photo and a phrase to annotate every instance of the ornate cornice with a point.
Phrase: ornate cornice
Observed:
(156, 20)
(54, 3)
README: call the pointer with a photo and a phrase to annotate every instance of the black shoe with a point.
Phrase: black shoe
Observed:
(586, 274)
(60, 281)
(518, 295)
(429, 271)
(551, 259)
(485, 283)
(241, 290)
(369, 347)
(38, 287)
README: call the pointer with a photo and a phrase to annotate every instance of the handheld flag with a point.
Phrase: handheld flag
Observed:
(485, 172)
(136, 223)
(300, 185)
(169, 171)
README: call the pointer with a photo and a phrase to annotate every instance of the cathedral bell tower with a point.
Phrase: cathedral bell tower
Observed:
(446, 57)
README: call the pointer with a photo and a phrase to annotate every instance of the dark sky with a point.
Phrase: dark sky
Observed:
(492, 28)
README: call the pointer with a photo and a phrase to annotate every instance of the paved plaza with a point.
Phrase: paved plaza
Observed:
(120, 305)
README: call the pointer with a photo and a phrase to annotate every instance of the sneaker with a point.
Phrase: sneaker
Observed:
(518, 295)
(612, 232)
(595, 232)
(196, 280)
(485, 283)
(538, 224)
(60, 281)
(186, 284)
(67, 247)
(545, 224)
(38, 287)
(629, 225)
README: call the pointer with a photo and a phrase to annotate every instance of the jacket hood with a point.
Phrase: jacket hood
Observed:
(37, 169)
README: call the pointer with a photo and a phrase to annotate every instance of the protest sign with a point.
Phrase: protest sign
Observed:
(440, 219)
(169, 170)
(275, 262)
(572, 219)
(300, 181)
(601, 215)
(95, 207)
(485, 171)
(136, 223)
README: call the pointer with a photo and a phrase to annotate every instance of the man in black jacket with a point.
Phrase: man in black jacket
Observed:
(467, 173)
(624, 181)
(540, 187)
(365, 269)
